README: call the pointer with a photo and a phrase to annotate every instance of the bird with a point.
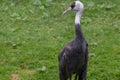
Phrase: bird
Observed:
(73, 58)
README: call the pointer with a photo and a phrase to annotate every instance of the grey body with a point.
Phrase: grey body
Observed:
(74, 57)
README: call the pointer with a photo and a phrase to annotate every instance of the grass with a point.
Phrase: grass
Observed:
(32, 33)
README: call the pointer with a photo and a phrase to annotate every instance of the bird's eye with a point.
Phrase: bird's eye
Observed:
(73, 5)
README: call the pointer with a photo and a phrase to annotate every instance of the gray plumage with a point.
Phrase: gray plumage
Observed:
(73, 58)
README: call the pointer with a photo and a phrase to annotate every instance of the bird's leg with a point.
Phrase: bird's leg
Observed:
(70, 77)
(82, 76)
(62, 75)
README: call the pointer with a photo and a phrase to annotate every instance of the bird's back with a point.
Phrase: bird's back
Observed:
(72, 56)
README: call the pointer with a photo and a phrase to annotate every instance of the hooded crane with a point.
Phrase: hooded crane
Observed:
(74, 56)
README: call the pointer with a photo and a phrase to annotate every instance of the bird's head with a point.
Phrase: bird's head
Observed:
(75, 6)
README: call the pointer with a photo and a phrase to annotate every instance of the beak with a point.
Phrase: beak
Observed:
(68, 10)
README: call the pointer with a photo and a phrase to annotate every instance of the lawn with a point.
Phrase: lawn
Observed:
(33, 32)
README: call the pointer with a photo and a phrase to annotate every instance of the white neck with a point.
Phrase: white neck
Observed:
(77, 17)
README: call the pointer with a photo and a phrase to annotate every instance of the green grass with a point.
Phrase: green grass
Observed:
(33, 32)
